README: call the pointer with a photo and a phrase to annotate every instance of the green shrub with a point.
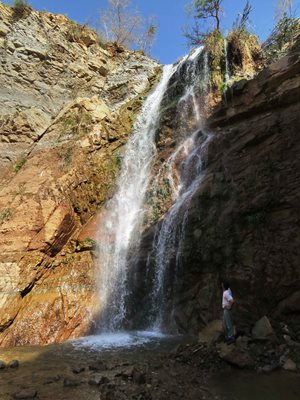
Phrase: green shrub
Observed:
(21, 9)
(20, 164)
(282, 38)
(118, 159)
(66, 156)
(214, 44)
(5, 215)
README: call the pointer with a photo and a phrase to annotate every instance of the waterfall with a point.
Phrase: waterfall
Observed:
(227, 72)
(121, 225)
(124, 218)
(187, 164)
(170, 234)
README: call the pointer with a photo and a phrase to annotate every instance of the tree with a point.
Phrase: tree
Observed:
(203, 11)
(284, 8)
(207, 9)
(243, 18)
(122, 24)
(147, 38)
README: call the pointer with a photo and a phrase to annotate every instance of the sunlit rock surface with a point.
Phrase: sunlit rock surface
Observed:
(67, 107)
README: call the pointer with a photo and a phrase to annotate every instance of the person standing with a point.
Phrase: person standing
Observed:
(227, 302)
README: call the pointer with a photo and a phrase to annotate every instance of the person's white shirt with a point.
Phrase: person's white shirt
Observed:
(227, 299)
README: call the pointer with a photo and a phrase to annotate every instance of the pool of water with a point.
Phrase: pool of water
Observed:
(46, 367)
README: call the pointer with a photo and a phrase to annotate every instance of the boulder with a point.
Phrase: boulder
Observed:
(289, 365)
(236, 356)
(263, 329)
(211, 333)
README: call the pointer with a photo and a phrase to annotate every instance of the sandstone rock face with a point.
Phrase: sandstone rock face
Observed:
(67, 107)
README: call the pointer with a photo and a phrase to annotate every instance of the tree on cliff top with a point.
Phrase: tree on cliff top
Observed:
(122, 24)
(284, 8)
(285, 32)
(206, 9)
(203, 11)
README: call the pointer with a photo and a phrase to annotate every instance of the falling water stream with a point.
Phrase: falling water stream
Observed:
(124, 214)
(121, 228)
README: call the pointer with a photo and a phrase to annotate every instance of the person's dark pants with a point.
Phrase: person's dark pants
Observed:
(228, 325)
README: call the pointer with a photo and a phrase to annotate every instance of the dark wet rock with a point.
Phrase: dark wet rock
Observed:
(242, 342)
(98, 366)
(2, 364)
(98, 379)
(13, 364)
(139, 377)
(52, 379)
(71, 382)
(211, 333)
(237, 357)
(142, 396)
(126, 373)
(237, 228)
(78, 369)
(25, 394)
(268, 368)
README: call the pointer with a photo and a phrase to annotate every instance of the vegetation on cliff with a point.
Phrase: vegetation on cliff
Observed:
(238, 54)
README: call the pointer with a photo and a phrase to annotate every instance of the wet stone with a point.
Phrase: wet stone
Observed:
(69, 382)
(52, 379)
(25, 394)
(98, 366)
(139, 377)
(126, 373)
(13, 364)
(98, 379)
(77, 370)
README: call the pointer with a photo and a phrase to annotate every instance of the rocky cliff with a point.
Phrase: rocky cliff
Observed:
(242, 223)
(67, 106)
(244, 220)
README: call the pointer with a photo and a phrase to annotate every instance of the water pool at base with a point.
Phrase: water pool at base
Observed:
(46, 369)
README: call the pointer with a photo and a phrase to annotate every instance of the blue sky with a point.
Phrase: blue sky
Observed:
(171, 18)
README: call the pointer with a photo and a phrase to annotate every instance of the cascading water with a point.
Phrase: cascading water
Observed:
(170, 234)
(124, 217)
(186, 163)
(227, 72)
(124, 214)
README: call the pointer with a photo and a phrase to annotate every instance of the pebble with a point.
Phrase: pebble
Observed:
(69, 382)
(25, 394)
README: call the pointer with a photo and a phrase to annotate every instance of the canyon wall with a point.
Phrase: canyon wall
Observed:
(67, 106)
(243, 221)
